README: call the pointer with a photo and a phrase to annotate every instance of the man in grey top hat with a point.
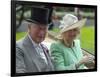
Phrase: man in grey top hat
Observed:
(31, 55)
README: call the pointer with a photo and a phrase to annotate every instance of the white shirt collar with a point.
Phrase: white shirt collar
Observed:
(33, 42)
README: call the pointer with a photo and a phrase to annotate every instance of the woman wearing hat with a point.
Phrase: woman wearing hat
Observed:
(66, 52)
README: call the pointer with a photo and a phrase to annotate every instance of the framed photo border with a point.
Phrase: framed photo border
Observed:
(13, 37)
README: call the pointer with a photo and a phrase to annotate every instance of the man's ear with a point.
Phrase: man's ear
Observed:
(29, 26)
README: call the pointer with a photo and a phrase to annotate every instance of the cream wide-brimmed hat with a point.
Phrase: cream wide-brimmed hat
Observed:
(70, 22)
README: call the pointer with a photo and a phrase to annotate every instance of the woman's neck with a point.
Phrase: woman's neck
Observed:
(68, 43)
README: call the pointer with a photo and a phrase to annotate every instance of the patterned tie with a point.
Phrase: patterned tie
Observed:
(41, 53)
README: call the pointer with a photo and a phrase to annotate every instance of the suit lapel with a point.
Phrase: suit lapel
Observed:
(31, 51)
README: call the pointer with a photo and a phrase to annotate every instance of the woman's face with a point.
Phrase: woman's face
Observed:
(71, 34)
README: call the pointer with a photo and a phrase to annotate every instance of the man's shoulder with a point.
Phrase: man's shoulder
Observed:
(19, 43)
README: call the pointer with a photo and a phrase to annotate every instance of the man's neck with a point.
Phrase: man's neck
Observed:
(33, 42)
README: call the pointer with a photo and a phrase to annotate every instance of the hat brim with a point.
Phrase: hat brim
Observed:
(78, 24)
(33, 21)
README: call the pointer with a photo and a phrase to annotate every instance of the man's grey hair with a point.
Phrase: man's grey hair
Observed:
(30, 23)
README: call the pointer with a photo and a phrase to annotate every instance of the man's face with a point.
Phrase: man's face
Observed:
(37, 32)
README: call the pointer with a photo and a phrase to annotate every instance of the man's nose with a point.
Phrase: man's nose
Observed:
(42, 32)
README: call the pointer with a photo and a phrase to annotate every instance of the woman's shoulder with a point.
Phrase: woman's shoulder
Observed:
(56, 45)
(77, 42)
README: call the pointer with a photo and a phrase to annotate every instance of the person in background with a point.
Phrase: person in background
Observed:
(56, 21)
(66, 52)
(31, 54)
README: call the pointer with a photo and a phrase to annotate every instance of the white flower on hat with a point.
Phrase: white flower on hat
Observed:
(69, 19)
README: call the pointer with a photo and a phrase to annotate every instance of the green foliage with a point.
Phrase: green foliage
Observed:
(56, 30)
(87, 39)
(20, 35)
(68, 9)
(85, 14)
